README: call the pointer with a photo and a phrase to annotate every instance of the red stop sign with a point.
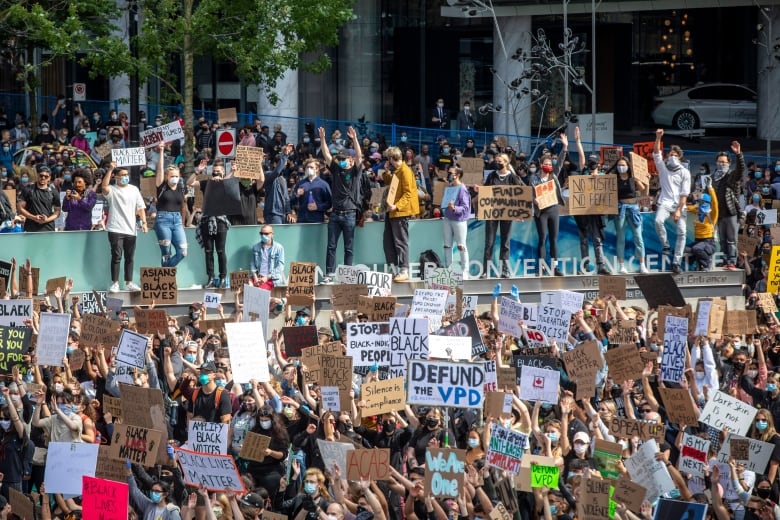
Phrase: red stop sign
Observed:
(226, 143)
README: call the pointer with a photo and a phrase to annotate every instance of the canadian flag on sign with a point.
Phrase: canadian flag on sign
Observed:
(539, 383)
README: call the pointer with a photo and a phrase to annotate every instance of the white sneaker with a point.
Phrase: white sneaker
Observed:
(643, 269)
(114, 287)
(622, 269)
(132, 287)
(196, 286)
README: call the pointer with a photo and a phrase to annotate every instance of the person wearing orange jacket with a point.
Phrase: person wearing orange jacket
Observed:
(706, 209)
(405, 205)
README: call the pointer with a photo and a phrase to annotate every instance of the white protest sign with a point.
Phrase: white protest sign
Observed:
(97, 213)
(379, 284)
(129, 156)
(567, 300)
(330, 398)
(212, 300)
(457, 348)
(53, 332)
(468, 303)
(506, 447)
(442, 277)
(214, 472)
(334, 453)
(66, 464)
(648, 472)
(161, 134)
(553, 322)
(408, 340)
(766, 217)
(13, 313)
(248, 359)
(441, 383)
(759, 453)
(535, 338)
(509, 317)
(723, 411)
(693, 455)
(491, 376)
(256, 301)
(132, 349)
(348, 274)
(539, 383)
(428, 302)
(208, 437)
(703, 318)
(89, 303)
(675, 346)
(369, 344)
(530, 312)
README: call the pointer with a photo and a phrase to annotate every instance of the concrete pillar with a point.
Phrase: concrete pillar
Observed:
(359, 64)
(286, 107)
(769, 78)
(119, 86)
(514, 118)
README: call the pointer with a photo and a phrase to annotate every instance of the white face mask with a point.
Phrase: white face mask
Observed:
(622, 168)
(266, 425)
(58, 388)
(673, 161)
(310, 173)
(580, 449)
(5, 425)
(173, 181)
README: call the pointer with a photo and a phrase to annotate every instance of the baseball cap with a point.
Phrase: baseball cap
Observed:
(252, 500)
(208, 366)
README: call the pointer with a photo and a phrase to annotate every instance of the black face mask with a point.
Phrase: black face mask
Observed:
(388, 427)
(194, 315)
(764, 493)
(739, 366)
(431, 422)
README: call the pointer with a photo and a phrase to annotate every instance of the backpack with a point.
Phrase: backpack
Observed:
(216, 397)
(427, 257)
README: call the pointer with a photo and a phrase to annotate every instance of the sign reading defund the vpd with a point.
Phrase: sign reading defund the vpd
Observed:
(440, 383)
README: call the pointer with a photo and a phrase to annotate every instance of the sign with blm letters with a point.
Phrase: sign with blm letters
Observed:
(300, 287)
(510, 202)
(158, 285)
(377, 308)
(129, 156)
(310, 358)
(238, 279)
(92, 302)
(441, 383)
(13, 313)
(593, 195)
(104, 499)
(135, 443)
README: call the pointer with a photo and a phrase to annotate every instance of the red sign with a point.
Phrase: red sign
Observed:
(226, 143)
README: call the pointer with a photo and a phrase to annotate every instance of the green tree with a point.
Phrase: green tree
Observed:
(262, 38)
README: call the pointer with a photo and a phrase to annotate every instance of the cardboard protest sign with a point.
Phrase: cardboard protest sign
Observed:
(498, 403)
(694, 454)
(667, 508)
(609, 155)
(129, 156)
(368, 343)
(679, 405)
(14, 344)
(392, 190)
(238, 279)
(158, 285)
(97, 330)
(383, 396)
(660, 289)
(606, 455)
(337, 371)
(445, 470)
(109, 468)
(582, 363)
(296, 338)
(52, 284)
(473, 170)
(334, 453)
(506, 377)
(161, 134)
(593, 195)
(509, 202)
(629, 494)
(104, 499)
(300, 287)
(767, 302)
(594, 500)
(151, 321)
(739, 449)
(506, 448)
(53, 332)
(135, 443)
(247, 361)
(21, 505)
(345, 297)
(675, 348)
(640, 169)
(612, 285)
(723, 411)
(368, 464)
(624, 332)
(546, 195)
(208, 437)
(773, 274)
(539, 384)
(75, 360)
(379, 284)
(66, 464)
(112, 405)
(645, 151)
(627, 428)
(740, 322)
(310, 358)
(214, 472)
(132, 349)
(254, 446)
(227, 115)
(681, 312)
(36, 278)
(144, 407)
(377, 308)
(441, 383)
(648, 472)
(748, 244)
(624, 363)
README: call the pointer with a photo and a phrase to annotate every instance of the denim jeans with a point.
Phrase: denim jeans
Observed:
(169, 229)
(455, 231)
(629, 217)
(340, 222)
(662, 214)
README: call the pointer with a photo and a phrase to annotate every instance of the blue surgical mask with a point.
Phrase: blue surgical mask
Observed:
(203, 379)
(654, 347)
(403, 138)
(25, 179)
(343, 164)
(756, 199)
(473, 443)
(124, 180)
(6, 149)
(757, 175)
(553, 509)
(265, 239)
(69, 350)
(777, 168)
(300, 320)
(221, 383)
(446, 149)
(155, 496)
(761, 425)
(64, 408)
(771, 387)
(553, 436)
(374, 149)
(190, 358)
(67, 177)
(309, 488)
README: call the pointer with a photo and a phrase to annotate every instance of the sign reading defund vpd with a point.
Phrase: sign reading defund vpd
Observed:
(441, 383)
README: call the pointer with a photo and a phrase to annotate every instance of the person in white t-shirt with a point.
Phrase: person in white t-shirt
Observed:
(126, 208)
(675, 181)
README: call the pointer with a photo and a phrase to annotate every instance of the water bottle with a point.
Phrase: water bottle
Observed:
(311, 198)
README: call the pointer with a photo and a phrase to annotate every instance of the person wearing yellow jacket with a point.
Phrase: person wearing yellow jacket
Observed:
(703, 246)
(405, 205)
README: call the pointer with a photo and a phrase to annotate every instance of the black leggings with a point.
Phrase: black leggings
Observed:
(211, 242)
(121, 244)
(547, 225)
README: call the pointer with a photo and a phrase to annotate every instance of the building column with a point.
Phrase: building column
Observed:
(287, 106)
(514, 118)
(119, 86)
(769, 78)
(359, 64)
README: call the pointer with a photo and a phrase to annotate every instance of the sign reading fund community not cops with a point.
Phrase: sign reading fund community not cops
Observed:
(440, 383)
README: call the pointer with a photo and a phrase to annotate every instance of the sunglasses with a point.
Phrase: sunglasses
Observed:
(266, 234)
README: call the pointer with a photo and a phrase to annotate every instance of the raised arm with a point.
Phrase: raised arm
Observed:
(324, 147)
(352, 134)
(105, 185)
(580, 151)
(160, 165)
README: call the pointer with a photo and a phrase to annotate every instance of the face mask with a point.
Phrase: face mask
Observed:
(622, 168)
(266, 424)
(203, 379)
(473, 443)
(289, 412)
(124, 180)
(771, 387)
(777, 168)
(58, 388)
(67, 177)
(4, 174)
(654, 347)
(757, 175)
(113, 117)
(331, 517)
(580, 449)
(623, 445)
(752, 374)
(761, 425)
(553, 437)
(388, 427)
(531, 170)
(25, 180)
(466, 107)
(310, 173)
(96, 118)
(306, 140)
(221, 383)
(16, 399)
(5, 424)
(547, 168)
(6, 148)
(756, 199)
(450, 178)
(445, 150)
(440, 105)
(553, 509)
(300, 320)
(69, 350)
(373, 149)
(673, 162)
(493, 149)
(194, 315)
(155, 496)
(343, 164)
(309, 488)
(764, 492)
(699, 376)
(431, 422)
(173, 181)
(739, 366)
(190, 358)
(403, 138)
(508, 423)
(64, 408)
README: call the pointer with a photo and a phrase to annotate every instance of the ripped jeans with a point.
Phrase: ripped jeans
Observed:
(170, 231)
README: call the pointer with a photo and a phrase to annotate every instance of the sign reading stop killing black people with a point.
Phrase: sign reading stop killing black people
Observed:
(440, 383)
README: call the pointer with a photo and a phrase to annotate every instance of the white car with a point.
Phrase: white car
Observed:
(711, 105)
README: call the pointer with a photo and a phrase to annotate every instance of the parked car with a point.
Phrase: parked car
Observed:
(711, 105)
(77, 156)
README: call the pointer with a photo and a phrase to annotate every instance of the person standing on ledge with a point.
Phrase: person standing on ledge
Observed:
(405, 204)
(675, 181)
